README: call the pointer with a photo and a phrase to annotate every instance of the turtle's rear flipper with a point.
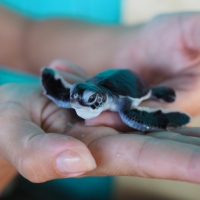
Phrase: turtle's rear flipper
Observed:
(55, 87)
(164, 93)
(146, 119)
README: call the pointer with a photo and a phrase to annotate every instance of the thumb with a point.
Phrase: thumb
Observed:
(41, 156)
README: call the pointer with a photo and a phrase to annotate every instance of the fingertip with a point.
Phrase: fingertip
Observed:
(74, 162)
(68, 67)
(59, 64)
(55, 156)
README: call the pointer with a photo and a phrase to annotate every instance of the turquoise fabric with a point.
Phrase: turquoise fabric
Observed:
(89, 188)
(9, 76)
(99, 11)
(106, 11)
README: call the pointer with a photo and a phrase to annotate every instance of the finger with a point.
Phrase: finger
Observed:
(58, 120)
(189, 131)
(70, 78)
(88, 134)
(186, 85)
(137, 155)
(144, 156)
(66, 66)
(110, 119)
(38, 156)
(190, 27)
(176, 137)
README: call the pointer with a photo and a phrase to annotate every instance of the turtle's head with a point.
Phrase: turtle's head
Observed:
(88, 98)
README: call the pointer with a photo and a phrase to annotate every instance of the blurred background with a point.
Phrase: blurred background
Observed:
(127, 12)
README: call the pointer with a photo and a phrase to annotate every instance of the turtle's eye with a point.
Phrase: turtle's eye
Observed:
(75, 95)
(92, 98)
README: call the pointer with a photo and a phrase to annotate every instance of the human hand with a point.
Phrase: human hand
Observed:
(165, 51)
(162, 155)
(33, 135)
(34, 132)
(167, 155)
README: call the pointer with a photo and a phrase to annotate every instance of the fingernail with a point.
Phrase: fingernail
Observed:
(71, 162)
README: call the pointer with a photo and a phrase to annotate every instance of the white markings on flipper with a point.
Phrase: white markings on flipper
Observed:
(111, 104)
(50, 78)
(150, 110)
(146, 119)
(64, 82)
(63, 104)
(136, 101)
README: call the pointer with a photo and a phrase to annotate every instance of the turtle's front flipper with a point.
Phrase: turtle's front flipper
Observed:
(146, 119)
(55, 87)
(163, 93)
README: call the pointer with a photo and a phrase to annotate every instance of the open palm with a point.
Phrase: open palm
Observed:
(119, 150)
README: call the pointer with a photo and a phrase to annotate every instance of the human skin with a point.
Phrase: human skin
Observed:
(164, 51)
(29, 44)
(35, 132)
(167, 155)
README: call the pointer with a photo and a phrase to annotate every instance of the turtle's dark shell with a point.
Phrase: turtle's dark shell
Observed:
(121, 82)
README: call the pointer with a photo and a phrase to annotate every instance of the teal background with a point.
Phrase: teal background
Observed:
(106, 11)
(98, 11)
(8, 75)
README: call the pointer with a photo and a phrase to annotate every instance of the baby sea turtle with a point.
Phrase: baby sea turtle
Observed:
(118, 90)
